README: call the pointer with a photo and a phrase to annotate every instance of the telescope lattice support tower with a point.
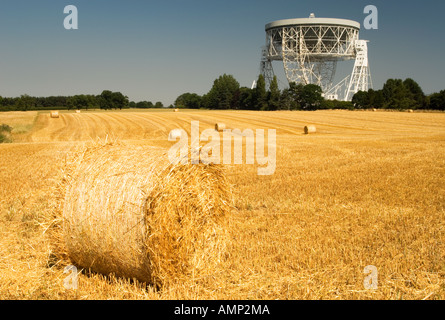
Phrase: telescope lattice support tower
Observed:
(266, 68)
(361, 76)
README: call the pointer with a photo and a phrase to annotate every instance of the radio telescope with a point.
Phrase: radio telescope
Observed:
(310, 49)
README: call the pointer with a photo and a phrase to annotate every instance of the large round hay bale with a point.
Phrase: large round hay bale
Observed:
(175, 134)
(128, 211)
(411, 111)
(176, 110)
(310, 129)
(54, 114)
(220, 126)
(77, 111)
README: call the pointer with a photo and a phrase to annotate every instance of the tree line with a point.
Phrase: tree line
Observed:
(226, 93)
(106, 100)
(401, 95)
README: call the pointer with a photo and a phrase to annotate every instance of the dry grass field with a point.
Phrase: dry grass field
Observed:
(367, 189)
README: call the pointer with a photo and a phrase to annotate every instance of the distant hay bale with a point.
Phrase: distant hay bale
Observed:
(175, 134)
(77, 111)
(54, 114)
(127, 211)
(176, 110)
(411, 111)
(310, 129)
(374, 110)
(220, 126)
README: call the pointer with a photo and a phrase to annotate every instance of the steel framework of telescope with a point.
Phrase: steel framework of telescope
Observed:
(310, 49)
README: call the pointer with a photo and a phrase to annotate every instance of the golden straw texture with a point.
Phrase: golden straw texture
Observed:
(127, 211)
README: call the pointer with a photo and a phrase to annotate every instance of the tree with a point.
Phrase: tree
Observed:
(25, 102)
(159, 104)
(415, 93)
(188, 101)
(71, 102)
(360, 100)
(311, 97)
(112, 100)
(274, 95)
(376, 99)
(290, 97)
(91, 102)
(144, 105)
(286, 100)
(222, 94)
(236, 99)
(106, 100)
(397, 96)
(205, 101)
(119, 100)
(437, 101)
(329, 104)
(245, 98)
(78, 102)
(260, 95)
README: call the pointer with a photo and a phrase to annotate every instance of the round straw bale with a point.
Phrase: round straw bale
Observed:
(220, 126)
(310, 129)
(176, 110)
(128, 211)
(411, 111)
(77, 111)
(54, 114)
(374, 110)
(175, 134)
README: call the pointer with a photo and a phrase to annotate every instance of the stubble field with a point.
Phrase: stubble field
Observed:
(367, 189)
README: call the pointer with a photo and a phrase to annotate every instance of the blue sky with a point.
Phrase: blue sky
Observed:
(157, 50)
